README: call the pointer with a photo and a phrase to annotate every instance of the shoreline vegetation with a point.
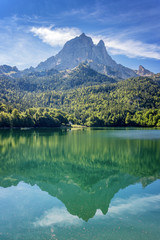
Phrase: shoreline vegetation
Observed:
(48, 117)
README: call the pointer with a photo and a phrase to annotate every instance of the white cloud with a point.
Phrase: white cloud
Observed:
(134, 205)
(116, 45)
(56, 36)
(19, 47)
(130, 48)
(57, 216)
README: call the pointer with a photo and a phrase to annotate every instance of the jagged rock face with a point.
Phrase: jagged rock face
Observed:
(82, 49)
(144, 72)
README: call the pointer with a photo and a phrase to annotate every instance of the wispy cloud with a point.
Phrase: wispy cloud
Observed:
(132, 205)
(128, 47)
(113, 13)
(117, 45)
(57, 216)
(136, 205)
(19, 47)
(55, 36)
(22, 52)
(22, 38)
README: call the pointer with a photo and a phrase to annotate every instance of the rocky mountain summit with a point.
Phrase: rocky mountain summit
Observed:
(82, 50)
(78, 52)
(144, 72)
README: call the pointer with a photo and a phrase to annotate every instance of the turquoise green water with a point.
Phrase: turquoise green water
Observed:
(81, 184)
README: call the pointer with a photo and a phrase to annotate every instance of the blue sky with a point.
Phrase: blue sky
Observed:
(33, 30)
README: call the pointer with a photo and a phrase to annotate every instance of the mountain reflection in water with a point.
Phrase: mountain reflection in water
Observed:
(83, 169)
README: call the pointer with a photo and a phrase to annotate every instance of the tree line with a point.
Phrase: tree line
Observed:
(33, 117)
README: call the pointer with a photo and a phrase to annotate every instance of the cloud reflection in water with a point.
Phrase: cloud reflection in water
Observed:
(133, 205)
(57, 216)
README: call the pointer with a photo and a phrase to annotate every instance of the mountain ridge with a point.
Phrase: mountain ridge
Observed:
(79, 50)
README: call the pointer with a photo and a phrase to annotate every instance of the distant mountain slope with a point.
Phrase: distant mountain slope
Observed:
(82, 49)
(51, 79)
(8, 70)
(83, 75)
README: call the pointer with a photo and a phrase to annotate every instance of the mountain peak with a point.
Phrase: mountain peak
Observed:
(141, 68)
(82, 49)
(143, 71)
(101, 43)
(83, 35)
(83, 39)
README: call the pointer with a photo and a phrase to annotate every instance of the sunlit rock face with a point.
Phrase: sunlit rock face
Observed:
(82, 49)
(144, 72)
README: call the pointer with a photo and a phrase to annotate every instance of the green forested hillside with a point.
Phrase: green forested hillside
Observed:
(49, 80)
(156, 77)
(133, 102)
(114, 105)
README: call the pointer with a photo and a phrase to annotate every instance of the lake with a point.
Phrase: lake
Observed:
(80, 184)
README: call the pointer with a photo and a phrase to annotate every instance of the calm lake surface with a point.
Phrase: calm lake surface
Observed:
(80, 184)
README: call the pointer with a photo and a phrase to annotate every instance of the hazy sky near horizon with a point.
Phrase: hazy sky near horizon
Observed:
(33, 30)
